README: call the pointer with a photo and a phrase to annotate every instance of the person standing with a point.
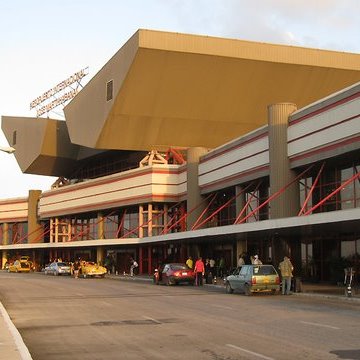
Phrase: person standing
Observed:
(241, 260)
(256, 260)
(133, 265)
(286, 268)
(222, 267)
(189, 262)
(199, 270)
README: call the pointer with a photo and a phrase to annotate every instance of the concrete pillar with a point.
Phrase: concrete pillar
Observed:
(194, 198)
(35, 233)
(101, 227)
(4, 258)
(240, 200)
(100, 255)
(5, 234)
(241, 247)
(287, 203)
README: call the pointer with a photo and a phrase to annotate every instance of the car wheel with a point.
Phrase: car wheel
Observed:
(247, 290)
(229, 289)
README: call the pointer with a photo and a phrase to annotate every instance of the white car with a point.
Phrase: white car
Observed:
(58, 268)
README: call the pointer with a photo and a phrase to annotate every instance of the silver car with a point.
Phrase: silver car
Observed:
(253, 278)
(58, 268)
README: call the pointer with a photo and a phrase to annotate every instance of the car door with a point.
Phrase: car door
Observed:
(234, 278)
(242, 278)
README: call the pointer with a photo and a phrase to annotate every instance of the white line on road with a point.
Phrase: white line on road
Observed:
(250, 352)
(321, 325)
(106, 303)
(222, 307)
(152, 319)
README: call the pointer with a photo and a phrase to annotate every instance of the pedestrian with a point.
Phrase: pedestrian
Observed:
(286, 268)
(207, 271)
(256, 260)
(241, 260)
(222, 267)
(190, 262)
(133, 266)
(199, 270)
(213, 270)
(76, 268)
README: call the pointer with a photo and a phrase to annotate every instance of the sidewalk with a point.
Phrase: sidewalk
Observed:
(12, 346)
(307, 289)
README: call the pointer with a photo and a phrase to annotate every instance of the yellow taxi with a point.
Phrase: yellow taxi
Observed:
(19, 266)
(90, 269)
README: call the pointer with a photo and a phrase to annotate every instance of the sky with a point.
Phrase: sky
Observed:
(43, 42)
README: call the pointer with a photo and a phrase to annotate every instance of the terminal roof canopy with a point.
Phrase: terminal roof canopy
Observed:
(164, 90)
(168, 89)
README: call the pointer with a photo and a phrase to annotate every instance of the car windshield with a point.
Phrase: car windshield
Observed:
(62, 264)
(264, 270)
(24, 265)
(179, 267)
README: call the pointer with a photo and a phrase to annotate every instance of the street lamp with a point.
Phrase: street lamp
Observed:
(9, 150)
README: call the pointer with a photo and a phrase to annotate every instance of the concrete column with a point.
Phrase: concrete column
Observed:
(286, 204)
(240, 200)
(100, 255)
(101, 227)
(194, 198)
(35, 233)
(5, 234)
(241, 247)
(4, 258)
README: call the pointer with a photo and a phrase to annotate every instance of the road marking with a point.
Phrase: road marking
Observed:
(321, 325)
(152, 319)
(222, 307)
(250, 352)
(106, 303)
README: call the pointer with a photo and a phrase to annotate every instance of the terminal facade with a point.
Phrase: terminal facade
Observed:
(185, 145)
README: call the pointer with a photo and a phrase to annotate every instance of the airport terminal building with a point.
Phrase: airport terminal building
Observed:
(192, 145)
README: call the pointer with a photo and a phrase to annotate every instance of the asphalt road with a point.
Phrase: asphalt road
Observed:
(65, 318)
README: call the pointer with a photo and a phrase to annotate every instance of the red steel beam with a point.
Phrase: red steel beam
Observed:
(273, 196)
(312, 189)
(326, 198)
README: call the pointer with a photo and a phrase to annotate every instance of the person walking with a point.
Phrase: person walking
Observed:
(286, 268)
(76, 268)
(199, 270)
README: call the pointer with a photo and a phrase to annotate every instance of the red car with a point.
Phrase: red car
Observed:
(173, 274)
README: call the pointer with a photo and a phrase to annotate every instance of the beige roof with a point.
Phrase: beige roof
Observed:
(172, 89)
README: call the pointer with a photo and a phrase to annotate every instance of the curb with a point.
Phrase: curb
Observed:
(19, 342)
(219, 287)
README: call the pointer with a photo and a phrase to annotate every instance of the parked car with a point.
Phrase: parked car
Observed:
(19, 266)
(57, 268)
(174, 273)
(249, 279)
(89, 268)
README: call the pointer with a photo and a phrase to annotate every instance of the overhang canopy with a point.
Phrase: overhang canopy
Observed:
(171, 89)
